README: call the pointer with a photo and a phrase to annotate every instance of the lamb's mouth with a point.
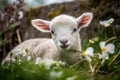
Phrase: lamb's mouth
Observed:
(64, 46)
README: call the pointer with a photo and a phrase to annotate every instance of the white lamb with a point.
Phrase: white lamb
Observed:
(65, 44)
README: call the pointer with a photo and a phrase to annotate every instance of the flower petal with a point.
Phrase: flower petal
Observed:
(100, 55)
(89, 51)
(103, 56)
(37, 61)
(28, 58)
(106, 24)
(102, 44)
(110, 48)
(111, 20)
(101, 22)
(48, 63)
(102, 61)
(88, 58)
(107, 57)
(54, 74)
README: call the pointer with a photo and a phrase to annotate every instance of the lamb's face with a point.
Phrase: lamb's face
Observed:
(64, 29)
(64, 32)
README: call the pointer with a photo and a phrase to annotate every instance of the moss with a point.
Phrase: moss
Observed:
(56, 12)
(83, 5)
(31, 14)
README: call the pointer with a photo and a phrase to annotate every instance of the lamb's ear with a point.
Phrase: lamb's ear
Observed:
(84, 20)
(41, 25)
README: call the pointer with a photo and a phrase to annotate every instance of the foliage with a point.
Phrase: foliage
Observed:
(10, 19)
(29, 70)
(105, 59)
(3, 3)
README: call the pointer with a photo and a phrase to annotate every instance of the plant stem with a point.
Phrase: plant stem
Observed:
(114, 58)
(111, 39)
(92, 69)
(76, 63)
(18, 35)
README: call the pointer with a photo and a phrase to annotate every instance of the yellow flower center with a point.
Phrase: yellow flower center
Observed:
(103, 49)
(41, 62)
(83, 53)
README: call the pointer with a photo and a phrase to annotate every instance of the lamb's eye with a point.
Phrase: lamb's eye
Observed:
(52, 32)
(74, 30)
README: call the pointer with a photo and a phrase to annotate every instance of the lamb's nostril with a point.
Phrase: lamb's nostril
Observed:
(64, 41)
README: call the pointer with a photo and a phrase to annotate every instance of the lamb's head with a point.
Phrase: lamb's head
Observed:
(64, 29)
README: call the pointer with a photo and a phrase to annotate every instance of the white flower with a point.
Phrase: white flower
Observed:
(71, 78)
(19, 61)
(106, 50)
(59, 63)
(109, 48)
(20, 14)
(107, 23)
(37, 61)
(24, 52)
(88, 53)
(48, 63)
(28, 58)
(54, 74)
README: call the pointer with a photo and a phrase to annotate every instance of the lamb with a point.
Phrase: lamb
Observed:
(65, 44)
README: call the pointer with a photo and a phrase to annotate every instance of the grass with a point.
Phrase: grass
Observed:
(30, 71)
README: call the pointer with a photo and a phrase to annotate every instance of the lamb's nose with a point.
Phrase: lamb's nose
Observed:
(64, 41)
